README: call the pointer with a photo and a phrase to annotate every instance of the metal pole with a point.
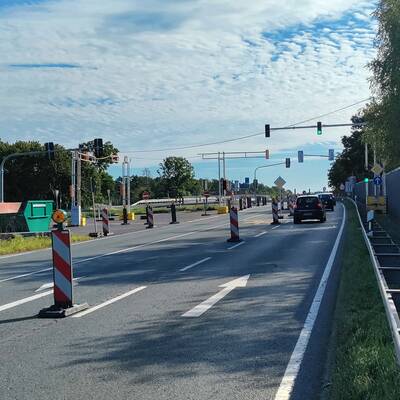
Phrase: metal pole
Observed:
(73, 182)
(219, 179)
(128, 184)
(366, 157)
(375, 187)
(2, 181)
(78, 179)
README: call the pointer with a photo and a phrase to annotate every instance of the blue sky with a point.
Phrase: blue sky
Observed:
(161, 74)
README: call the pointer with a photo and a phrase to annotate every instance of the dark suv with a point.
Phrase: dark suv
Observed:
(308, 207)
(327, 200)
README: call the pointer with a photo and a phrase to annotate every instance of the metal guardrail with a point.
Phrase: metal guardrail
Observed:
(385, 258)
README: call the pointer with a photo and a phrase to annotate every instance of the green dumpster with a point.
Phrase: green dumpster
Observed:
(29, 216)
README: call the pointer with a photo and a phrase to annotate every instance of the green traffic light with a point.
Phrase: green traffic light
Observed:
(366, 180)
(319, 128)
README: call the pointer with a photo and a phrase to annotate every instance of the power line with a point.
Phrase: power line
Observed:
(247, 136)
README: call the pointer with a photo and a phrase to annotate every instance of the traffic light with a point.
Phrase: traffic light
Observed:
(300, 156)
(319, 128)
(49, 147)
(267, 154)
(255, 183)
(267, 131)
(331, 154)
(287, 162)
(224, 185)
(114, 158)
(98, 148)
(366, 180)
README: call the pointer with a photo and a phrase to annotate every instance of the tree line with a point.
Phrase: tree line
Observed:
(382, 114)
(39, 177)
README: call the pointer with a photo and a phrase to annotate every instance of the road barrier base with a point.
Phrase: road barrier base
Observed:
(234, 240)
(58, 312)
(174, 222)
(275, 223)
(95, 234)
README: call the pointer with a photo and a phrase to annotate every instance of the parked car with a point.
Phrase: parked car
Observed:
(328, 200)
(309, 207)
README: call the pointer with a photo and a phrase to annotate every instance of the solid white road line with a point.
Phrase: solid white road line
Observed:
(292, 369)
(27, 274)
(51, 284)
(236, 245)
(260, 234)
(106, 303)
(276, 227)
(122, 250)
(195, 264)
(25, 300)
(207, 304)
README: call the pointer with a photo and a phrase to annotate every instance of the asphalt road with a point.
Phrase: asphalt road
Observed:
(200, 319)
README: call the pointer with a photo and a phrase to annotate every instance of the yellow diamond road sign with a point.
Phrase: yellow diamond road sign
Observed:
(377, 169)
(280, 182)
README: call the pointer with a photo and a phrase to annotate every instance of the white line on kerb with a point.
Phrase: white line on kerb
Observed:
(195, 264)
(25, 300)
(260, 234)
(236, 245)
(106, 303)
(286, 387)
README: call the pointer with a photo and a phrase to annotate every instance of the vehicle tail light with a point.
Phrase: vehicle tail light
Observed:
(319, 205)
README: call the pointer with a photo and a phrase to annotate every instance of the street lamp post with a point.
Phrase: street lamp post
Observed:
(263, 166)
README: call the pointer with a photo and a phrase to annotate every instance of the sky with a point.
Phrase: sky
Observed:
(165, 74)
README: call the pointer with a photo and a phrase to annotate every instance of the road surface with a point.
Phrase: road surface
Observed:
(176, 312)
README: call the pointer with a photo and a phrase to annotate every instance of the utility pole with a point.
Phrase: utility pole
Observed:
(219, 178)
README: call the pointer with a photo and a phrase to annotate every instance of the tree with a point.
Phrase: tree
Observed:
(351, 161)
(177, 174)
(382, 114)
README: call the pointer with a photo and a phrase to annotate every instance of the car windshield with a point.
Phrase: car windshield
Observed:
(307, 201)
(325, 196)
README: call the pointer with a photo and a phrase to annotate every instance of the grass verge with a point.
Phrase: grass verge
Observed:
(364, 365)
(19, 244)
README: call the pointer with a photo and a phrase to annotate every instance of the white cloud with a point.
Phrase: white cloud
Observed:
(158, 74)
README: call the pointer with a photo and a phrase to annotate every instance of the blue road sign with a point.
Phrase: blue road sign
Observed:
(377, 181)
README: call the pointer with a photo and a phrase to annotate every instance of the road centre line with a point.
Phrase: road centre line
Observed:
(102, 238)
(27, 274)
(25, 300)
(260, 234)
(286, 386)
(276, 227)
(236, 245)
(133, 248)
(195, 264)
(108, 302)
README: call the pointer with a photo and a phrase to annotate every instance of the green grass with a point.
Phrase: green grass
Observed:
(19, 244)
(364, 366)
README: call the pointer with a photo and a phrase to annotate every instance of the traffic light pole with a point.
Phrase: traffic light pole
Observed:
(5, 159)
(263, 166)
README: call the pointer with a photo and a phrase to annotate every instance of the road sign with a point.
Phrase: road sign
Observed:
(370, 215)
(300, 156)
(377, 169)
(206, 194)
(331, 155)
(378, 181)
(280, 182)
(145, 195)
(267, 154)
(342, 186)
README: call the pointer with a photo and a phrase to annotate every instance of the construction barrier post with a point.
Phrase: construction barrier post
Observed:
(124, 216)
(62, 273)
(275, 217)
(240, 204)
(147, 215)
(258, 201)
(105, 221)
(248, 202)
(173, 214)
(150, 218)
(234, 222)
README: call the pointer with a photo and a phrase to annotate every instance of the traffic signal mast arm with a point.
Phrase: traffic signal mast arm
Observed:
(283, 128)
(233, 154)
